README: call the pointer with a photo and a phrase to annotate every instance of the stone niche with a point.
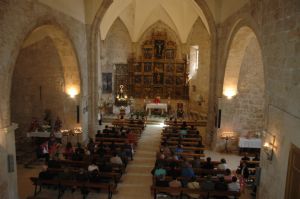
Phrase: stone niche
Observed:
(37, 85)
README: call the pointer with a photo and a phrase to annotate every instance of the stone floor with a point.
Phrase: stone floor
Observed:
(137, 180)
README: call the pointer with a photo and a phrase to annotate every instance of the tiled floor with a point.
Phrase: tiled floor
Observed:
(137, 180)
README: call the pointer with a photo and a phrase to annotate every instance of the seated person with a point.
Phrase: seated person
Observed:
(179, 149)
(183, 125)
(99, 134)
(234, 185)
(187, 172)
(68, 153)
(175, 183)
(132, 138)
(245, 158)
(93, 166)
(221, 185)
(79, 153)
(106, 130)
(208, 184)
(228, 176)
(193, 184)
(182, 132)
(196, 163)
(256, 158)
(159, 170)
(128, 149)
(208, 164)
(222, 165)
(91, 146)
(116, 159)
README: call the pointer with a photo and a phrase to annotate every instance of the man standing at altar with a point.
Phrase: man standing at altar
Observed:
(156, 100)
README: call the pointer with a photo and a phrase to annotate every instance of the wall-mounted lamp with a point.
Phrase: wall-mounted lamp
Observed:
(269, 145)
(230, 93)
(72, 91)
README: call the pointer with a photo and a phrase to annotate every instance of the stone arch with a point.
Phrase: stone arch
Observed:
(55, 77)
(95, 53)
(243, 21)
(171, 34)
(71, 72)
(244, 86)
(235, 57)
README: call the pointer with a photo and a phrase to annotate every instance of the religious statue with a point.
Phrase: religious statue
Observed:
(159, 46)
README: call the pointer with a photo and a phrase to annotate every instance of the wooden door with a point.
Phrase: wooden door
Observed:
(292, 189)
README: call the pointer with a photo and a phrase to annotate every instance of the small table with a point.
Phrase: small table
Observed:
(162, 106)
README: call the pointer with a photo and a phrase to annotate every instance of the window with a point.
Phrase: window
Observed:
(194, 60)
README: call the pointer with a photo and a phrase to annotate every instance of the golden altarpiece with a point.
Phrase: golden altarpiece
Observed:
(157, 72)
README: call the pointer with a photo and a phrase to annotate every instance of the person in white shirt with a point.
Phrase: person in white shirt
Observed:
(223, 165)
(92, 167)
(193, 184)
(116, 159)
(233, 186)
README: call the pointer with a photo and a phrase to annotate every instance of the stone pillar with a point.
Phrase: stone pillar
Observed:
(8, 179)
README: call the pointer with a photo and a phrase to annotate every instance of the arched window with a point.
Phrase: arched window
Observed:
(194, 60)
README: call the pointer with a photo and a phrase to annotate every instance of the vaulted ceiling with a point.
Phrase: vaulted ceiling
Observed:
(138, 15)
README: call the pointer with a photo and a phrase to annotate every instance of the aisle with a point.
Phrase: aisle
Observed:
(138, 179)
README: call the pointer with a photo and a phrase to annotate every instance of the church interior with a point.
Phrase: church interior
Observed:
(131, 99)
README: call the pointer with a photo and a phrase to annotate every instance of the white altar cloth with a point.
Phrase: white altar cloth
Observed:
(43, 134)
(250, 143)
(162, 106)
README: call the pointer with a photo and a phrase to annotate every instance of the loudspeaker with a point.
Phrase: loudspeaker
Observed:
(77, 114)
(219, 118)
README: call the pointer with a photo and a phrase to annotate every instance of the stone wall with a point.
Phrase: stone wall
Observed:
(276, 25)
(16, 22)
(117, 48)
(281, 55)
(38, 84)
(200, 81)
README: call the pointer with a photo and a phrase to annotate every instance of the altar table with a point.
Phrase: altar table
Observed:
(254, 143)
(162, 106)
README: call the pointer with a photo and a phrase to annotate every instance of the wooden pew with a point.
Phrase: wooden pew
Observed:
(184, 191)
(62, 184)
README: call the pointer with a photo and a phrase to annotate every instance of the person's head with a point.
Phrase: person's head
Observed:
(78, 145)
(174, 177)
(106, 126)
(208, 159)
(99, 132)
(223, 161)
(234, 179)
(221, 179)
(227, 172)
(244, 164)
(69, 145)
(246, 154)
(91, 140)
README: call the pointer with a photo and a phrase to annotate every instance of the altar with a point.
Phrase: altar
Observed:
(162, 106)
(250, 145)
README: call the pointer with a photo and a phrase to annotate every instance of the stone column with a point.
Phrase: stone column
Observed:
(8, 179)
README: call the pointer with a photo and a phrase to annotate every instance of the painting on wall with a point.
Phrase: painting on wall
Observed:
(106, 82)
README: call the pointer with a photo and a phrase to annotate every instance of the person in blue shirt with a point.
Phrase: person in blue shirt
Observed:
(187, 172)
